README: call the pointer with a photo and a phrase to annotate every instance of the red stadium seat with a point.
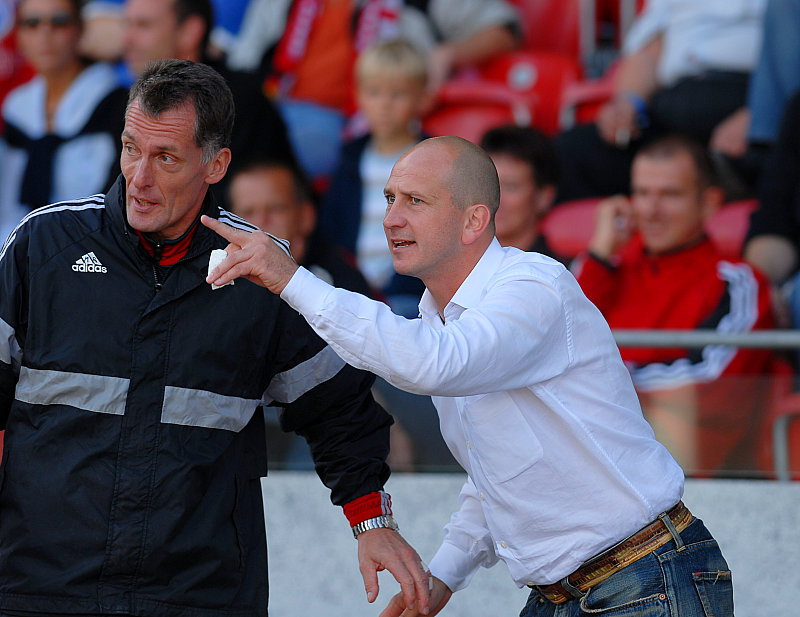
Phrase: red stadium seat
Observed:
(563, 26)
(582, 100)
(786, 438)
(728, 227)
(522, 88)
(468, 108)
(542, 77)
(569, 226)
(779, 456)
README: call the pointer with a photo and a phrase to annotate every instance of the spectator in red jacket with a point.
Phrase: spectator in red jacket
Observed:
(650, 265)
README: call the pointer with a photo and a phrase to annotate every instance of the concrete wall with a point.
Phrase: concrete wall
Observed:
(313, 565)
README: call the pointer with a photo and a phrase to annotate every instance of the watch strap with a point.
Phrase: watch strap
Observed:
(384, 521)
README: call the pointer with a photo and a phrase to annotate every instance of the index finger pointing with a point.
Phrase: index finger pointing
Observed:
(231, 234)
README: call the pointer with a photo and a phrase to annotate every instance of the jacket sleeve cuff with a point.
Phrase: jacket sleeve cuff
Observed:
(368, 506)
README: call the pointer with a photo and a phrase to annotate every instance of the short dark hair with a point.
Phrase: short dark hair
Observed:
(200, 8)
(301, 185)
(169, 83)
(528, 145)
(669, 145)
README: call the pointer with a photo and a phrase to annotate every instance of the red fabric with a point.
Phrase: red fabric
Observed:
(679, 290)
(315, 57)
(14, 70)
(685, 290)
(368, 506)
(324, 73)
(292, 45)
(171, 253)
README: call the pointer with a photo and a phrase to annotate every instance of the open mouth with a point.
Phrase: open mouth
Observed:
(143, 204)
(398, 244)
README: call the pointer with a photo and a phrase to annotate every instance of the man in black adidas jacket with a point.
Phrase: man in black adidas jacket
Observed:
(129, 392)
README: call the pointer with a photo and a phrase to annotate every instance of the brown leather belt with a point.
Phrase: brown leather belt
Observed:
(622, 554)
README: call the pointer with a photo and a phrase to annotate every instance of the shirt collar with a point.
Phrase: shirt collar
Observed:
(471, 291)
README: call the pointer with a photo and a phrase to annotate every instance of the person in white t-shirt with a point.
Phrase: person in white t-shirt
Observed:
(684, 69)
(566, 482)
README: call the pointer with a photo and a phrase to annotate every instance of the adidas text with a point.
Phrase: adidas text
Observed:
(89, 268)
(89, 263)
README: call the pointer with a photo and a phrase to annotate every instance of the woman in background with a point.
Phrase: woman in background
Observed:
(62, 128)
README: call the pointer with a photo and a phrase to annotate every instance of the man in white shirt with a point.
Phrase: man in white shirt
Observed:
(566, 483)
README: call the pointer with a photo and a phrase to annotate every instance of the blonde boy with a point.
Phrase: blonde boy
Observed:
(391, 79)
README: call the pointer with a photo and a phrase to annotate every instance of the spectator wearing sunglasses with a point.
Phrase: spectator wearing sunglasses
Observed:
(61, 133)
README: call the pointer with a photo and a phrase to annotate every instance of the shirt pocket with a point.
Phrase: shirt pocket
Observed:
(501, 439)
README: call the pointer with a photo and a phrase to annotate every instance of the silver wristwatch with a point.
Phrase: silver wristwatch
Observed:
(382, 521)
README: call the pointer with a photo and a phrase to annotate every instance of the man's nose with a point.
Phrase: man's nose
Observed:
(393, 217)
(648, 205)
(143, 175)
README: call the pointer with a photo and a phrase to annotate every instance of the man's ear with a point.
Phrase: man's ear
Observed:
(545, 197)
(218, 166)
(189, 38)
(477, 219)
(308, 218)
(712, 197)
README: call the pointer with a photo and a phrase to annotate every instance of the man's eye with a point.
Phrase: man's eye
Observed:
(416, 200)
(390, 199)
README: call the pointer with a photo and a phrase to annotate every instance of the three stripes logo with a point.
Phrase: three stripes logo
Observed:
(89, 263)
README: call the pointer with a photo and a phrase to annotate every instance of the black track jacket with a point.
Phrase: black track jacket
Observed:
(134, 444)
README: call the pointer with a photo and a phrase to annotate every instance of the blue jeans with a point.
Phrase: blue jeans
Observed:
(693, 581)
(777, 75)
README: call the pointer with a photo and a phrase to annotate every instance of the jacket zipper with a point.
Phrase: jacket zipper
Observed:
(158, 248)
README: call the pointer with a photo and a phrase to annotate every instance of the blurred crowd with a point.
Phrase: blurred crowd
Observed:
(656, 117)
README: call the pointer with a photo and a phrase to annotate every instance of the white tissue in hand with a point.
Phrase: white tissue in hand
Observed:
(216, 257)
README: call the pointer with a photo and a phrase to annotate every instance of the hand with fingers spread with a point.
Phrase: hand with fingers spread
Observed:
(385, 549)
(258, 257)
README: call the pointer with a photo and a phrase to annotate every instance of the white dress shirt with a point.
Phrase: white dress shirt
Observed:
(722, 35)
(534, 402)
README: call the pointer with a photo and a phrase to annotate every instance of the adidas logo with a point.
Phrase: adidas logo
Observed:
(89, 263)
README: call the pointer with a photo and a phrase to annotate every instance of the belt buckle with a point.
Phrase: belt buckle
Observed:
(559, 592)
(564, 590)
(571, 589)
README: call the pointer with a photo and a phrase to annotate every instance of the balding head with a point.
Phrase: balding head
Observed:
(472, 178)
